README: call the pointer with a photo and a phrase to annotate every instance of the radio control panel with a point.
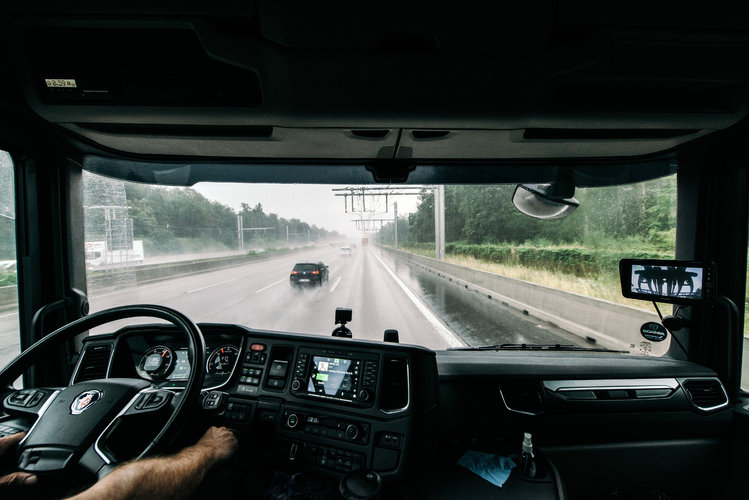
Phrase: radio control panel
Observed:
(327, 427)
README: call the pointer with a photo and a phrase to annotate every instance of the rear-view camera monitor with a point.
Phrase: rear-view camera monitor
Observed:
(673, 281)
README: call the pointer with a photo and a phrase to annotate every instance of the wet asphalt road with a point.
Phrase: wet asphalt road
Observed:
(382, 291)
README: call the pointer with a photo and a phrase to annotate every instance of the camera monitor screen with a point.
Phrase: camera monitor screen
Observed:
(677, 282)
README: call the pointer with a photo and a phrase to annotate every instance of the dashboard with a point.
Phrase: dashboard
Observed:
(330, 404)
(334, 405)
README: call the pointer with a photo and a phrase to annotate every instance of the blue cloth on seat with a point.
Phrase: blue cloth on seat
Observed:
(493, 468)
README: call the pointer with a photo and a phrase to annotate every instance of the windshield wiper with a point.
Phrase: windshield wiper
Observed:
(533, 347)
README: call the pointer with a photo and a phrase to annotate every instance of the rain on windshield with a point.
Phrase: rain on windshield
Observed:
(225, 253)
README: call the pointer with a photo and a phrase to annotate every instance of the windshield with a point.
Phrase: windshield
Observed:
(446, 266)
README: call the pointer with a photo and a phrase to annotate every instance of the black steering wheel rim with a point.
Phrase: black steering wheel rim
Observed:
(196, 352)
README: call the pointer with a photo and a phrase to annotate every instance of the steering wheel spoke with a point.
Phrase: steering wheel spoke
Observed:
(150, 401)
(28, 402)
(78, 426)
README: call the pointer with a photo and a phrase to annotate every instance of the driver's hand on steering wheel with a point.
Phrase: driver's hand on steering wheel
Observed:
(16, 482)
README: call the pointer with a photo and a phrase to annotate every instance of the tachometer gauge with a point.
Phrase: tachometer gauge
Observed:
(156, 363)
(221, 361)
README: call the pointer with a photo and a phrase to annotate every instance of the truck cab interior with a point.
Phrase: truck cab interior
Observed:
(559, 94)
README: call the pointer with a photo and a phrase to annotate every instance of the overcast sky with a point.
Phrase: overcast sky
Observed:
(312, 203)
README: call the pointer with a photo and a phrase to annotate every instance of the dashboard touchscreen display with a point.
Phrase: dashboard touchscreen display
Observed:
(181, 366)
(334, 377)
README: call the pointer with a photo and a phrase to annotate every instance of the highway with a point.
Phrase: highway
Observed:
(384, 293)
(258, 295)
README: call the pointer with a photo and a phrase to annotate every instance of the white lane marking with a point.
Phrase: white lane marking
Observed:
(272, 284)
(209, 286)
(335, 284)
(9, 314)
(444, 332)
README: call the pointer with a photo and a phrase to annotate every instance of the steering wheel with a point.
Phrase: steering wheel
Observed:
(74, 423)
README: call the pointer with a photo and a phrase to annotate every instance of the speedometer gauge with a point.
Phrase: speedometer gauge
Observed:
(221, 361)
(156, 363)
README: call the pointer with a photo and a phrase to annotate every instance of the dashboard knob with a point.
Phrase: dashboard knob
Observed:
(296, 384)
(292, 421)
(364, 395)
(352, 431)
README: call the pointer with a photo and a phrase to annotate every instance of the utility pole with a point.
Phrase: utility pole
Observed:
(395, 212)
(240, 233)
(439, 222)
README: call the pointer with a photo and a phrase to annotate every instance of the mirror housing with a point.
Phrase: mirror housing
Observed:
(552, 200)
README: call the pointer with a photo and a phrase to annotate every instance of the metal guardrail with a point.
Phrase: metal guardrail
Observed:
(8, 296)
(148, 273)
(610, 325)
(139, 274)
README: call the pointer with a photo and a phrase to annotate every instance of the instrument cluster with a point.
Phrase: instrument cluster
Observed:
(163, 357)
(166, 363)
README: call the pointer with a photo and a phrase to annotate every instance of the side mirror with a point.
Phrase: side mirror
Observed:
(553, 200)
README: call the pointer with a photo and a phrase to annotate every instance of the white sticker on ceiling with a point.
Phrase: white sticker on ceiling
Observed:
(67, 83)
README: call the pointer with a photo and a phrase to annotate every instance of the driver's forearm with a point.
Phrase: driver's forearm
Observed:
(175, 476)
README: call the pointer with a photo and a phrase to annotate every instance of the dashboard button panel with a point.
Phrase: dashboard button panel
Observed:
(326, 427)
(256, 357)
(327, 457)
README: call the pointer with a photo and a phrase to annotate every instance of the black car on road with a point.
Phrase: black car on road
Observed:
(308, 273)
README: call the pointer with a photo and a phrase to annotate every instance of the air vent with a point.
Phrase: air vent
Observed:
(94, 363)
(394, 393)
(429, 134)
(706, 394)
(370, 133)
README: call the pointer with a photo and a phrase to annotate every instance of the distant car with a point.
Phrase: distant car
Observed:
(345, 250)
(309, 273)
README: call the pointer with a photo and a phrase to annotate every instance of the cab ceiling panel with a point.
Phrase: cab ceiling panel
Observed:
(242, 141)
(421, 144)
(289, 67)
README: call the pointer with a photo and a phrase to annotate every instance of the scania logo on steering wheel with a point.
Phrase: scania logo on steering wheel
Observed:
(84, 401)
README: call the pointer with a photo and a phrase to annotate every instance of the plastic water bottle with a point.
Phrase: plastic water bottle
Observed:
(527, 462)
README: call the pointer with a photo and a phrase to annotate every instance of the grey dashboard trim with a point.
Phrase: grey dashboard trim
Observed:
(521, 412)
(408, 393)
(556, 366)
(610, 384)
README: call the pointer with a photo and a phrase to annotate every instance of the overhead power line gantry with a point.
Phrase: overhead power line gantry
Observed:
(355, 201)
